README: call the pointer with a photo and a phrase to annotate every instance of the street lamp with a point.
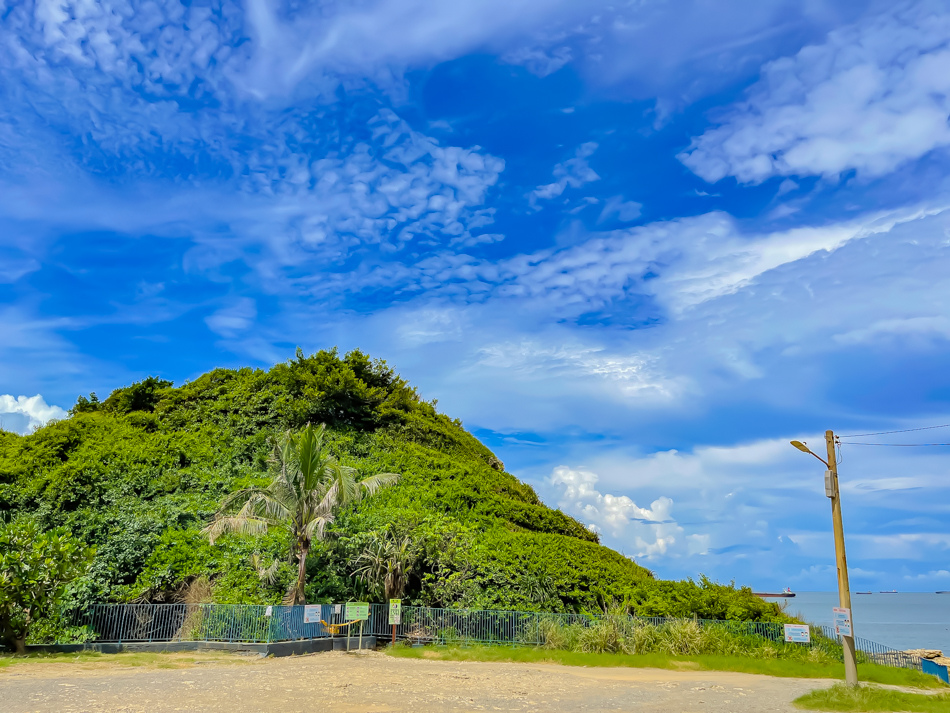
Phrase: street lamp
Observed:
(844, 591)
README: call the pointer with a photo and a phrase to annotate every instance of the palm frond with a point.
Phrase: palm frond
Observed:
(266, 573)
(316, 527)
(373, 483)
(239, 495)
(244, 525)
(310, 455)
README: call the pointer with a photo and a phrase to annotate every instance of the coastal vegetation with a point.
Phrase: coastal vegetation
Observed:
(140, 476)
(871, 699)
(621, 634)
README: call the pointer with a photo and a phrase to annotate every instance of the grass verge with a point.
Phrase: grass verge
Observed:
(872, 700)
(702, 662)
(94, 659)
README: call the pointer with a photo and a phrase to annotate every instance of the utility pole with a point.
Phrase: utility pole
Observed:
(844, 590)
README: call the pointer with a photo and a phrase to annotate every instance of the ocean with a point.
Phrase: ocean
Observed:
(906, 620)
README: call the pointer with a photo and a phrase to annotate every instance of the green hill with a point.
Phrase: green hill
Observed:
(139, 474)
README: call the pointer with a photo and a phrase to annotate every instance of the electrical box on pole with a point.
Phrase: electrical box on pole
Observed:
(831, 484)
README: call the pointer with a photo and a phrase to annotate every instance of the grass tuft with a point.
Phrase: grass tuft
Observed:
(873, 700)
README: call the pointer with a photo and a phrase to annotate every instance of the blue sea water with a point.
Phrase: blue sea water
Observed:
(906, 620)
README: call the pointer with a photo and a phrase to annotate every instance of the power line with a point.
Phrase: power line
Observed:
(906, 430)
(897, 445)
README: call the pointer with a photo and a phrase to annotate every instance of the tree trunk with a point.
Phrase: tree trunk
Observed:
(14, 639)
(300, 596)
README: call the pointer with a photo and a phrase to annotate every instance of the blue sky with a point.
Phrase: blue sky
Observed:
(636, 247)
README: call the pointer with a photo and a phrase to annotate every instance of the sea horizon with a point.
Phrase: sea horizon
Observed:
(901, 620)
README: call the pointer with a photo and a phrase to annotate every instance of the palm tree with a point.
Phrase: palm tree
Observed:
(310, 486)
(385, 565)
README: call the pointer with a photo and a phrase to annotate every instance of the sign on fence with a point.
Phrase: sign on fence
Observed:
(357, 611)
(395, 611)
(842, 617)
(312, 613)
(798, 633)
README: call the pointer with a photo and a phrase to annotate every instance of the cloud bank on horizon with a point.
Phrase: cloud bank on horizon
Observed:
(636, 248)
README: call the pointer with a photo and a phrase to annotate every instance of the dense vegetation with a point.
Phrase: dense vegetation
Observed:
(138, 475)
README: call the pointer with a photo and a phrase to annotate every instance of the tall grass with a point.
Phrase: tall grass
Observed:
(620, 634)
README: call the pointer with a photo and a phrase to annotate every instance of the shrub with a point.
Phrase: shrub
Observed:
(35, 568)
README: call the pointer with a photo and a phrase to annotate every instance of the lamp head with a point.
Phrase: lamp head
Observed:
(801, 446)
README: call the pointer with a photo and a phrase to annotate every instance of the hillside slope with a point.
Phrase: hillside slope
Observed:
(138, 475)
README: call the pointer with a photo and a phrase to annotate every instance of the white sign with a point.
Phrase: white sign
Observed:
(395, 611)
(798, 633)
(312, 613)
(842, 617)
(269, 612)
(337, 608)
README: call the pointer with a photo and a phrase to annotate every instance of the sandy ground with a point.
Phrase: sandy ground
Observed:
(374, 683)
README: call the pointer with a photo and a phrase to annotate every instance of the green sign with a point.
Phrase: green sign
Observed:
(395, 611)
(357, 611)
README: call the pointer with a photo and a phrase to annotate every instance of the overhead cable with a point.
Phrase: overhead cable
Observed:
(906, 430)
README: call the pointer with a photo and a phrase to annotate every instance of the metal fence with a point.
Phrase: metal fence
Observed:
(250, 623)
(420, 625)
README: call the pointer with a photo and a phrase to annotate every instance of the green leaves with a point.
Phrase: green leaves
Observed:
(303, 498)
(35, 568)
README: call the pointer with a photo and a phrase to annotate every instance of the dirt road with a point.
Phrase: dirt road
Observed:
(376, 683)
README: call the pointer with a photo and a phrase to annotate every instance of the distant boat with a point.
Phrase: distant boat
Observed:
(785, 593)
(943, 592)
(889, 591)
(864, 592)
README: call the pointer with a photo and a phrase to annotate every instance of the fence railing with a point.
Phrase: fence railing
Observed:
(249, 623)
(422, 625)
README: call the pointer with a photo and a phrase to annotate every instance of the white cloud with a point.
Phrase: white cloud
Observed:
(400, 187)
(905, 328)
(623, 376)
(431, 325)
(233, 319)
(757, 507)
(652, 532)
(934, 574)
(872, 96)
(11, 270)
(539, 61)
(574, 172)
(682, 263)
(21, 414)
(291, 208)
(625, 211)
